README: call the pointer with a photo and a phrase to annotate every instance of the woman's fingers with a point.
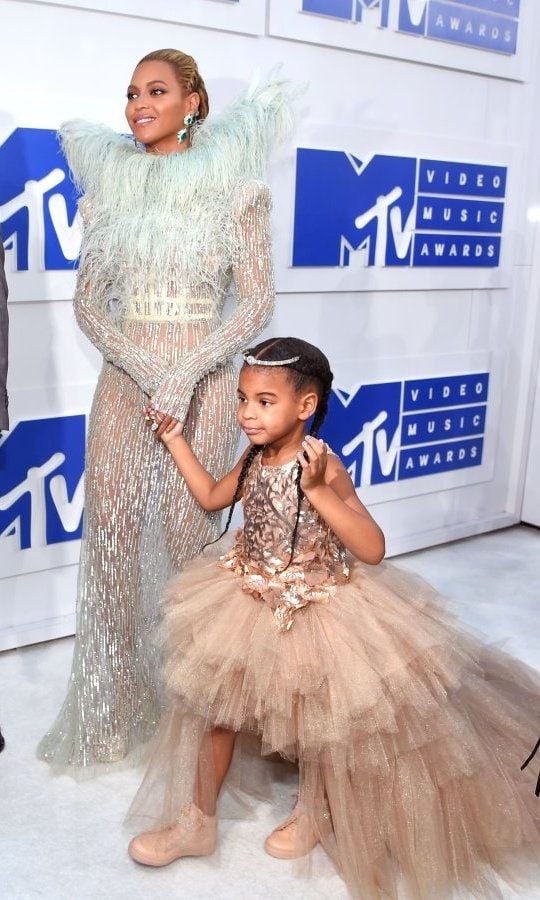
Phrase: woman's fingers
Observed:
(154, 420)
(164, 422)
(162, 425)
(148, 413)
(173, 430)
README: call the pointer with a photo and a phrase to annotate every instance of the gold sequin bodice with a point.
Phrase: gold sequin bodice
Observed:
(263, 548)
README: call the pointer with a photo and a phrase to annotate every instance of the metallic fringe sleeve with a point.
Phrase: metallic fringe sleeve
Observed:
(253, 276)
(93, 319)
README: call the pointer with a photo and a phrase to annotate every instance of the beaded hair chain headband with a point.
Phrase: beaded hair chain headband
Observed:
(252, 361)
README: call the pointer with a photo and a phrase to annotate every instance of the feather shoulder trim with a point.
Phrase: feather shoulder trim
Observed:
(86, 146)
(233, 146)
(251, 126)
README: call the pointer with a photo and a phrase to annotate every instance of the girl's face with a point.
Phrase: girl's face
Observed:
(156, 106)
(269, 408)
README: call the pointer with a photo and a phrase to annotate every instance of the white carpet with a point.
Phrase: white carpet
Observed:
(64, 839)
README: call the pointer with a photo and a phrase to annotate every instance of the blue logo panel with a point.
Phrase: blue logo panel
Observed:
(364, 428)
(475, 28)
(438, 176)
(342, 205)
(338, 9)
(396, 211)
(490, 25)
(41, 481)
(451, 214)
(456, 250)
(38, 201)
(501, 7)
(402, 430)
(422, 428)
(447, 457)
(346, 10)
(454, 390)
(411, 24)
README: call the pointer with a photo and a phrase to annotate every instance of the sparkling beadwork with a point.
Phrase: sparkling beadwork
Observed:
(141, 251)
(253, 361)
(262, 550)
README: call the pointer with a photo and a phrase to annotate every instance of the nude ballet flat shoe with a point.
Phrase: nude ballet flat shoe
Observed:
(293, 838)
(195, 835)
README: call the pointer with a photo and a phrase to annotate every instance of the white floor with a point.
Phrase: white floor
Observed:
(63, 839)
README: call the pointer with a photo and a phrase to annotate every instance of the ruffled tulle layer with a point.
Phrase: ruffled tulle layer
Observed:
(408, 730)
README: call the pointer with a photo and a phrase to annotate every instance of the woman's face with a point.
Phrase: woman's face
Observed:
(156, 106)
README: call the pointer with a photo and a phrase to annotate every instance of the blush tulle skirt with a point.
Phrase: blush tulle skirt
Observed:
(408, 730)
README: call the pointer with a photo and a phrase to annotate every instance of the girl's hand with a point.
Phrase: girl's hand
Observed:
(314, 467)
(172, 431)
(165, 427)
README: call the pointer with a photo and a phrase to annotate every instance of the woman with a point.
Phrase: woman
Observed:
(169, 225)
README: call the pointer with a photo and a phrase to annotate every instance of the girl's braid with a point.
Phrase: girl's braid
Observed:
(309, 369)
(239, 485)
(319, 372)
(299, 498)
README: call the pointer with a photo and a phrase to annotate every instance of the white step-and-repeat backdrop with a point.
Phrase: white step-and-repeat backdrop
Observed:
(404, 227)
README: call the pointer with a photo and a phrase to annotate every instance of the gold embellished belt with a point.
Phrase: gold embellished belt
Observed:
(169, 309)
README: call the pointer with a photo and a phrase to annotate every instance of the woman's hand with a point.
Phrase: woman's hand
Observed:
(314, 467)
(165, 427)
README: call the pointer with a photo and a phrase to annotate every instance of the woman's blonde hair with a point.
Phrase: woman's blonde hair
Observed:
(187, 73)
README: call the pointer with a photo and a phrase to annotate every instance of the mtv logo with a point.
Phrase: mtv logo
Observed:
(38, 202)
(347, 10)
(364, 428)
(344, 205)
(408, 429)
(412, 16)
(42, 482)
(386, 211)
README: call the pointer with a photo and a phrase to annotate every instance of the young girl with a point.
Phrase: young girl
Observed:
(408, 732)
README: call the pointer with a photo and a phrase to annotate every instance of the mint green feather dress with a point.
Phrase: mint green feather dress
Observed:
(166, 238)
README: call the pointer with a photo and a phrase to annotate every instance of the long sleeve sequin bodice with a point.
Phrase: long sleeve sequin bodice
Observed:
(168, 332)
(262, 550)
(165, 238)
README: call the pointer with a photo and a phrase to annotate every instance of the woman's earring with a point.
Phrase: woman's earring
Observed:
(189, 120)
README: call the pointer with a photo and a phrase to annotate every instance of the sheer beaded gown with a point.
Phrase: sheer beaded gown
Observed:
(165, 239)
